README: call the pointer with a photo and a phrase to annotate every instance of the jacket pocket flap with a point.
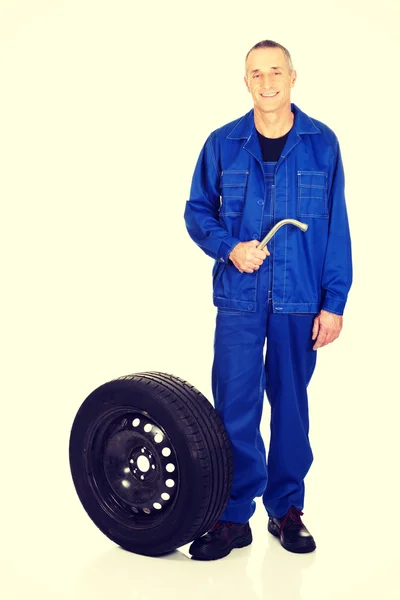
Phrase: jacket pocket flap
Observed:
(234, 178)
(316, 180)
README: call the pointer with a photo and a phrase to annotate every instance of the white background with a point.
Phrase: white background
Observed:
(104, 107)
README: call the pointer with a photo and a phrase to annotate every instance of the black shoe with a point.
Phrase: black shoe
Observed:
(293, 534)
(220, 540)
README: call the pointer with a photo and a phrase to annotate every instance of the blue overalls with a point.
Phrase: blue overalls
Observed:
(241, 373)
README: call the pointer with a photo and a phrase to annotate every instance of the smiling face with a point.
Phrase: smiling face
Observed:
(268, 79)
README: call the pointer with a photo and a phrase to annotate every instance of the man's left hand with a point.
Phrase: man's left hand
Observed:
(327, 327)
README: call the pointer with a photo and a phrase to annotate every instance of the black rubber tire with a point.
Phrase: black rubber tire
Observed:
(202, 450)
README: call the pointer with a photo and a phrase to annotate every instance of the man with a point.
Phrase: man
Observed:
(273, 163)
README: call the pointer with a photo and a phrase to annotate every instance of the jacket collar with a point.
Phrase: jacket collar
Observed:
(246, 127)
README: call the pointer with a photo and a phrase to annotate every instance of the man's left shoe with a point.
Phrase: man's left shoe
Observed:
(293, 534)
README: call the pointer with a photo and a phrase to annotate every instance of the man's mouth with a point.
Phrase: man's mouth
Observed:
(270, 95)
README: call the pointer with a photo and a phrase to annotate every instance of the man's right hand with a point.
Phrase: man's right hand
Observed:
(247, 258)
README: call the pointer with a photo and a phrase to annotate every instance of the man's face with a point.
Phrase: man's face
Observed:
(267, 72)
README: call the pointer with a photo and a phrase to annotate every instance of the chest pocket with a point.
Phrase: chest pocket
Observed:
(312, 194)
(233, 192)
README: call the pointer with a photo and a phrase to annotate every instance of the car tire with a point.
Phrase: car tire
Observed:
(151, 462)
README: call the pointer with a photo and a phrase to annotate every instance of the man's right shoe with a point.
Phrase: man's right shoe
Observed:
(220, 540)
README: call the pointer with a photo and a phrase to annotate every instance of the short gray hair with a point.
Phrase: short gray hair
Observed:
(271, 44)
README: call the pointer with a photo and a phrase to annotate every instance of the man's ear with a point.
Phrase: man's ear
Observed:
(247, 83)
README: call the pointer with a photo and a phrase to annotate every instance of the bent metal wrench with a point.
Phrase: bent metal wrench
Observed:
(271, 233)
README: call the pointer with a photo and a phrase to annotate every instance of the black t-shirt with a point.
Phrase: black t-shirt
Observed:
(271, 148)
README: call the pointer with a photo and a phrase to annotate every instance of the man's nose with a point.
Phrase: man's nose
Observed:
(268, 84)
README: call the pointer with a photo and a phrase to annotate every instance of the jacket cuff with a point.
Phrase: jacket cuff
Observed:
(333, 305)
(225, 248)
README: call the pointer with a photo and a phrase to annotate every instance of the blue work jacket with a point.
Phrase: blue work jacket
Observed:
(312, 269)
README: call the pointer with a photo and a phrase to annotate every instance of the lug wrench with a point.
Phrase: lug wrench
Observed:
(271, 233)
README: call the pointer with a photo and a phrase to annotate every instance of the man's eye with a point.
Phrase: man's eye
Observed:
(278, 73)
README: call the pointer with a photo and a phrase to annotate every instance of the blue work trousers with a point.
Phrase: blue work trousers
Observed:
(240, 374)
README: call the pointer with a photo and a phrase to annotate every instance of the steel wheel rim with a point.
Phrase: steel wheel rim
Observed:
(132, 467)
